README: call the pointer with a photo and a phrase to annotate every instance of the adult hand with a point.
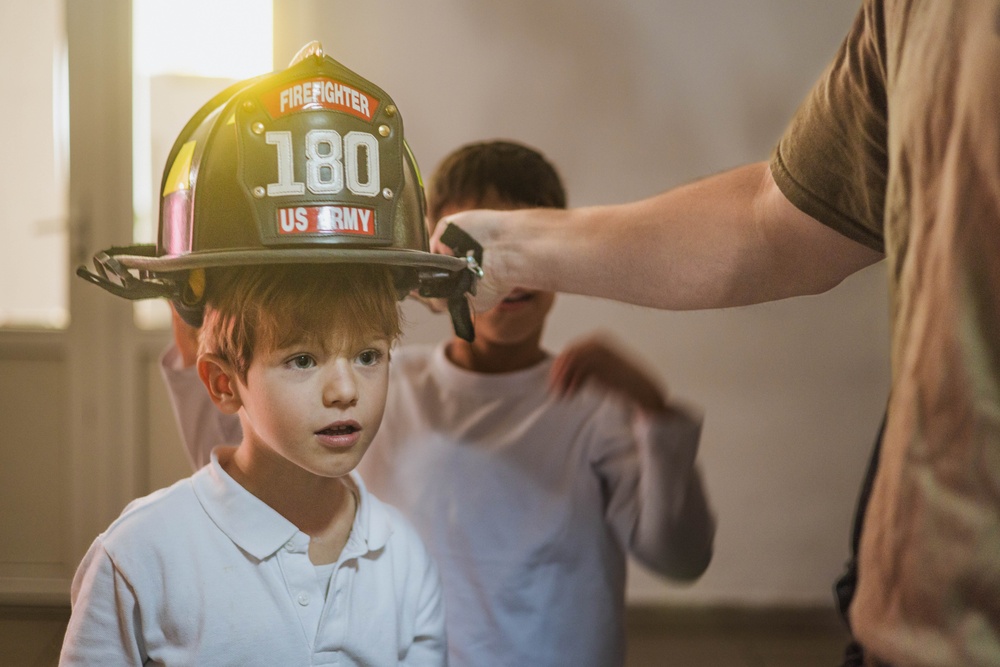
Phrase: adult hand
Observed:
(481, 225)
(596, 359)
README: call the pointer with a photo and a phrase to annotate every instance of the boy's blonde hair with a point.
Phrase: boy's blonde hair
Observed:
(252, 308)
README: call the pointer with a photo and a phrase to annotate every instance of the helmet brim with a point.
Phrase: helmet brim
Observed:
(220, 258)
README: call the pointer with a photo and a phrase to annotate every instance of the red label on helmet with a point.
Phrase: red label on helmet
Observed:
(319, 93)
(326, 220)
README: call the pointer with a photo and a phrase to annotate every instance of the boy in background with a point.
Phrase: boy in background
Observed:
(529, 477)
(274, 553)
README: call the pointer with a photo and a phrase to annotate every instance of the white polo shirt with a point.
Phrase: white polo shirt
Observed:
(205, 573)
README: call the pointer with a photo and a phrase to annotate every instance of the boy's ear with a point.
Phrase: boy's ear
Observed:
(219, 378)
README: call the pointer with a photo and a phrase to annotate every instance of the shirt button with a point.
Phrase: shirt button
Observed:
(303, 599)
(290, 545)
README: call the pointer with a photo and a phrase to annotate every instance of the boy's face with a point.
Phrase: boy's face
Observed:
(316, 406)
(521, 315)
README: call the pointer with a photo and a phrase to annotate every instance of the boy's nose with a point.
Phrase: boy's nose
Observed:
(340, 387)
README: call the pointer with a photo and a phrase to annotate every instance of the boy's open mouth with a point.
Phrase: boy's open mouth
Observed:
(517, 296)
(339, 429)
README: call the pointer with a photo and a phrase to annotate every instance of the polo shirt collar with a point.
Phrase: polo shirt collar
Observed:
(259, 530)
(371, 529)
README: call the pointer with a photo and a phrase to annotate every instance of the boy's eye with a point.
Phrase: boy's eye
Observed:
(369, 357)
(302, 361)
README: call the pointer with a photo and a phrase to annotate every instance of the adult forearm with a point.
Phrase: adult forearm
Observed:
(686, 248)
(727, 240)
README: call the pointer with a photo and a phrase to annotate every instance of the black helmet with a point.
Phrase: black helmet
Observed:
(304, 165)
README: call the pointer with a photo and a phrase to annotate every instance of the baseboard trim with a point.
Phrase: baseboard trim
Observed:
(733, 617)
(637, 617)
(13, 612)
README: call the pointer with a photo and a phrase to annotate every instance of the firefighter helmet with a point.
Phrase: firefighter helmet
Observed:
(304, 165)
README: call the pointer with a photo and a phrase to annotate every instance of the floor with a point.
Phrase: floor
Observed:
(31, 636)
(735, 638)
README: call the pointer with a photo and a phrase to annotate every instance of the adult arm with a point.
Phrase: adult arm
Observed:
(727, 240)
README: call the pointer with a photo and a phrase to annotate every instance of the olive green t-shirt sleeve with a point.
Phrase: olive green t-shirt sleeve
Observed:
(832, 161)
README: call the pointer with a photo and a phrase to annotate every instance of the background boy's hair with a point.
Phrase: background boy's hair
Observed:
(252, 308)
(512, 172)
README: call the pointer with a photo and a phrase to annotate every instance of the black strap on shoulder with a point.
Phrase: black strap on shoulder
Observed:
(845, 586)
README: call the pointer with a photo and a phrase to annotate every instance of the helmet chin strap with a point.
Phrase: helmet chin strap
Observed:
(114, 277)
(465, 246)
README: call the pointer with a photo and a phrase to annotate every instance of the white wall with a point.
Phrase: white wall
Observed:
(629, 99)
(33, 168)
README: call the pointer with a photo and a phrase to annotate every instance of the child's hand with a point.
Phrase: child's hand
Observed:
(594, 359)
(185, 338)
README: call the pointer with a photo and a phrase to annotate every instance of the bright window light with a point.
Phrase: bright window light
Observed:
(183, 53)
(213, 38)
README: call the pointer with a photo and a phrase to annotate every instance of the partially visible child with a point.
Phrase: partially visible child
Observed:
(274, 553)
(529, 477)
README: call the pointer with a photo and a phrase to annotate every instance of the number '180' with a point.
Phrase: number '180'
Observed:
(332, 162)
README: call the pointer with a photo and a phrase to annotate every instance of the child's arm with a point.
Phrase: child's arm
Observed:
(201, 425)
(656, 498)
(103, 628)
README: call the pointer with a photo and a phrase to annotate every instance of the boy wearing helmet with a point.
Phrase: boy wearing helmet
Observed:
(274, 553)
(291, 221)
(529, 477)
